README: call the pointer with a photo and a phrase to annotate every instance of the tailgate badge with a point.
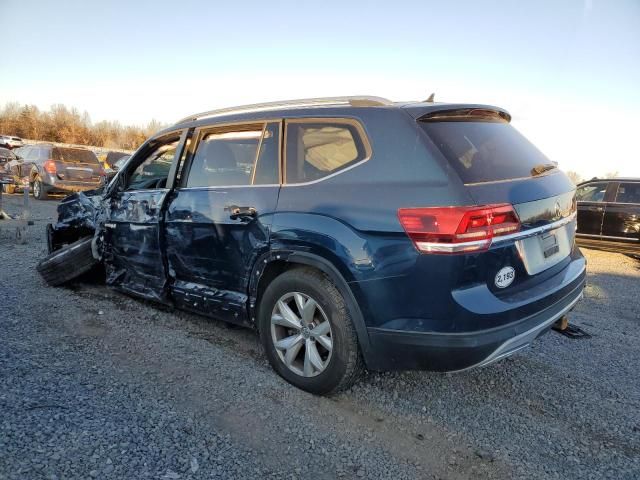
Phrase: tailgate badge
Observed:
(505, 277)
(558, 214)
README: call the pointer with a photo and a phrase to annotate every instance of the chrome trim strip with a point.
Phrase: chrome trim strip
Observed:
(584, 203)
(346, 169)
(532, 232)
(461, 247)
(607, 236)
(427, 247)
(517, 343)
(220, 187)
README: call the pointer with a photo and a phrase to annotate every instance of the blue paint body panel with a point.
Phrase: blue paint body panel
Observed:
(411, 310)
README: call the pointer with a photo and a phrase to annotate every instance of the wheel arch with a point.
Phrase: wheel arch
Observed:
(34, 173)
(274, 263)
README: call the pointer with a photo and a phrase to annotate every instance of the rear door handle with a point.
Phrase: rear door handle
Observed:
(596, 209)
(242, 213)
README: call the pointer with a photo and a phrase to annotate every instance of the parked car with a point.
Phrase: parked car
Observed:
(51, 169)
(114, 156)
(348, 232)
(120, 162)
(111, 172)
(609, 214)
(6, 155)
(10, 142)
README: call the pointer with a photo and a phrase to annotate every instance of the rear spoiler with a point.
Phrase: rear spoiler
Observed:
(457, 112)
(467, 115)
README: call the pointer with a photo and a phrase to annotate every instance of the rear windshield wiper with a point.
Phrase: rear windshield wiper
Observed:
(542, 168)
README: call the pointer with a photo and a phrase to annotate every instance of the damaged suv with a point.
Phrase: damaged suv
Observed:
(349, 232)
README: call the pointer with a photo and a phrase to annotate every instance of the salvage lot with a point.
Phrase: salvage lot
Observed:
(96, 384)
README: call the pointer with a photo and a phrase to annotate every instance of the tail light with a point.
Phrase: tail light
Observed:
(50, 166)
(457, 229)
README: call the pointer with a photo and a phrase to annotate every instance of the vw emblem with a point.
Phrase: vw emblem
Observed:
(558, 214)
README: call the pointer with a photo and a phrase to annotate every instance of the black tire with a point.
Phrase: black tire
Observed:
(345, 363)
(38, 190)
(69, 262)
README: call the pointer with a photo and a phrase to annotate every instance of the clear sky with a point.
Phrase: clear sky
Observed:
(568, 71)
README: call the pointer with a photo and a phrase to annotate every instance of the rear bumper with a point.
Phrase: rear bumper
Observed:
(69, 186)
(402, 350)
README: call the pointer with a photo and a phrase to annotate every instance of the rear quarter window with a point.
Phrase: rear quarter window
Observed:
(628, 193)
(315, 150)
(485, 150)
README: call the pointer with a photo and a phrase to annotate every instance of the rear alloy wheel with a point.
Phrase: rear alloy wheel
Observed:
(38, 190)
(307, 332)
(301, 334)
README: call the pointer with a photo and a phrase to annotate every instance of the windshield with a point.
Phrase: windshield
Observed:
(483, 150)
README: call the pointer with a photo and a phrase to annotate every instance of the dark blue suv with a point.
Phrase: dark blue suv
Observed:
(350, 232)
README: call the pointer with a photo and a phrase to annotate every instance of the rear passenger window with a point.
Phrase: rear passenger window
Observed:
(225, 157)
(628, 193)
(315, 150)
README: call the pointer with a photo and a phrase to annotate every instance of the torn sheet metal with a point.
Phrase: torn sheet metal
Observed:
(76, 219)
(131, 231)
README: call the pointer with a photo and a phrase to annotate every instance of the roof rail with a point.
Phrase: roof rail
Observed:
(355, 101)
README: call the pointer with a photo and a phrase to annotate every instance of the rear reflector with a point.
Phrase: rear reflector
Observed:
(49, 166)
(457, 229)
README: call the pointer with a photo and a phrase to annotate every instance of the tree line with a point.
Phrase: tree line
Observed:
(68, 125)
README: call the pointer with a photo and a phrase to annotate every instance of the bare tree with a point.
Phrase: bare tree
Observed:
(574, 177)
(68, 125)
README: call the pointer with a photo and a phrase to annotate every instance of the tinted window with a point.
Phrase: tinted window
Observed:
(225, 157)
(315, 150)
(485, 150)
(594, 192)
(74, 155)
(628, 193)
(154, 170)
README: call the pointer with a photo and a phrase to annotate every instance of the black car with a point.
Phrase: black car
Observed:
(348, 232)
(55, 169)
(609, 214)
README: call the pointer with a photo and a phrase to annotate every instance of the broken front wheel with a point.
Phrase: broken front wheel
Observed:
(69, 262)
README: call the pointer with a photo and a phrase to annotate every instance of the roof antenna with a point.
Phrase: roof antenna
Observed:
(431, 98)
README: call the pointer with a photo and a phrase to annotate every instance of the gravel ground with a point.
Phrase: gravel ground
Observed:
(94, 384)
